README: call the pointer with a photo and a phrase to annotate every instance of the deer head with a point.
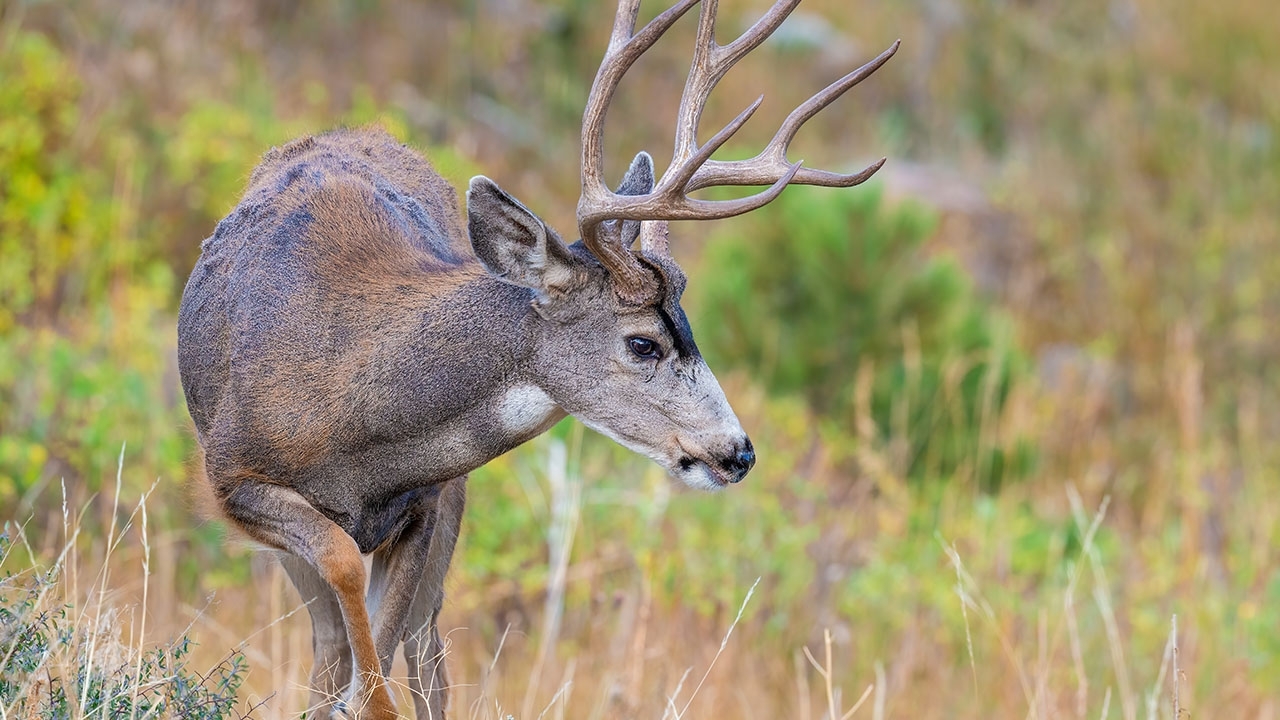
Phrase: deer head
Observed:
(614, 347)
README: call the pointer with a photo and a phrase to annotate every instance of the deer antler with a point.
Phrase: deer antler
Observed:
(691, 165)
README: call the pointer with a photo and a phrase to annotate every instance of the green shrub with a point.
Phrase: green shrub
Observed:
(825, 285)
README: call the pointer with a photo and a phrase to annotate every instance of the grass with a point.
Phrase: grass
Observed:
(950, 605)
(68, 651)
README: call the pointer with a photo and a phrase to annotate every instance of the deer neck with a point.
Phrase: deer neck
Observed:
(470, 392)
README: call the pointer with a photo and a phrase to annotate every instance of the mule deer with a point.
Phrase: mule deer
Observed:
(349, 351)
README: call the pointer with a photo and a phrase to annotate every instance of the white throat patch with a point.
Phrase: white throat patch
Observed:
(526, 409)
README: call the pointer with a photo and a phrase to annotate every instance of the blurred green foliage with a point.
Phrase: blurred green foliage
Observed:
(832, 285)
(83, 346)
(54, 212)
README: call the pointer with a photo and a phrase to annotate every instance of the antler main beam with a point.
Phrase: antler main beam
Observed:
(691, 165)
(625, 47)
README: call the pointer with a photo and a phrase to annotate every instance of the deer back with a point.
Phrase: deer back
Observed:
(303, 327)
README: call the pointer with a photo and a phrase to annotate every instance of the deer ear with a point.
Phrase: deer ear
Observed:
(515, 245)
(637, 181)
(639, 177)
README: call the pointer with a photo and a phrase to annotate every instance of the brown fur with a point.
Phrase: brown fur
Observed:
(347, 358)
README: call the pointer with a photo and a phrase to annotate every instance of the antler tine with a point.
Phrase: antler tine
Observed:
(624, 49)
(765, 168)
(710, 63)
(654, 233)
(701, 81)
(679, 174)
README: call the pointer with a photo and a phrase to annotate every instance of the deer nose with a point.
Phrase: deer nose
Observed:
(741, 461)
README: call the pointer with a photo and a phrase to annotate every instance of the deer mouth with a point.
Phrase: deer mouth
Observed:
(696, 473)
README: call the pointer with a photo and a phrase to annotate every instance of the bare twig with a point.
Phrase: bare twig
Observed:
(1177, 673)
(723, 643)
(827, 671)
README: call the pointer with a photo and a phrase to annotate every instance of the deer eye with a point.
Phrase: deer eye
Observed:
(644, 348)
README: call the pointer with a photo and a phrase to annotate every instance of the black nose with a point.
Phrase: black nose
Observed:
(741, 462)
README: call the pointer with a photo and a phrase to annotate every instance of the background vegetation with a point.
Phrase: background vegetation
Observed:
(1014, 400)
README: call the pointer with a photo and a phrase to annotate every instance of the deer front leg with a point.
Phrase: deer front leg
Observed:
(398, 567)
(330, 650)
(281, 518)
(423, 650)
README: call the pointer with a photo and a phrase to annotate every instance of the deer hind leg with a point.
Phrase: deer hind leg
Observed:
(279, 517)
(423, 650)
(330, 650)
